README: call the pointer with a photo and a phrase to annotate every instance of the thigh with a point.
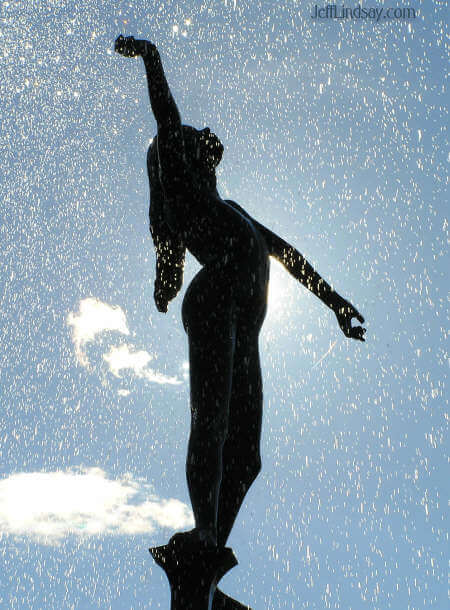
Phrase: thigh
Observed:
(245, 412)
(208, 317)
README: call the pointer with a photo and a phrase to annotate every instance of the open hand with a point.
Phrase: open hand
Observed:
(130, 47)
(344, 313)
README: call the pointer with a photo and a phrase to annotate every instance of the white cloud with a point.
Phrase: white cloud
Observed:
(49, 506)
(94, 317)
(119, 358)
(122, 357)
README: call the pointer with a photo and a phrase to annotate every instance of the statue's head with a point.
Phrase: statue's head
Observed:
(203, 148)
(203, 151)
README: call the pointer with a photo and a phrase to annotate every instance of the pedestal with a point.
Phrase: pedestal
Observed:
(193, 573)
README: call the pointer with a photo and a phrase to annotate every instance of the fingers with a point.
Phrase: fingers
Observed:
(348, 309)
(126, 46)
(357, 332)
(361, 334)
(118, 44)
(130, 47)
(351, 332)
(354, 313)
(344, 316)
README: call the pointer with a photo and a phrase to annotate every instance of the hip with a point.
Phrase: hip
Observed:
(233, 288)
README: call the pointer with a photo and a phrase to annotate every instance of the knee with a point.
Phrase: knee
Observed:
(208, 434)
(251, 470)
(247, 466)
(255, 467)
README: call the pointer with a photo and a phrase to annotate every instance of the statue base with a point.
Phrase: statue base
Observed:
(193, 573)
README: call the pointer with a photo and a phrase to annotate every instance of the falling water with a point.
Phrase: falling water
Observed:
(333, 132)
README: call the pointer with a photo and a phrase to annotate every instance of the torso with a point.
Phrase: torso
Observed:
(216, 233)
(223, 240)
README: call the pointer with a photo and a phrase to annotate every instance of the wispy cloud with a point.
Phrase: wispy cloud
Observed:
(122, 357)
(93, 318)
(49, 506)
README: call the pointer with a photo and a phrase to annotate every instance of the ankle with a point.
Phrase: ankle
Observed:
(207, 536)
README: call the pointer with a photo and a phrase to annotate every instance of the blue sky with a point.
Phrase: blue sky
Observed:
(335, 137)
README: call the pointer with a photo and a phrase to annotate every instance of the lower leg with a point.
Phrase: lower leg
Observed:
(241, 452)
(204, 475)
(235, 484)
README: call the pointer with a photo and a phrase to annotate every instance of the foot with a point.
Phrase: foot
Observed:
(130, 47)
(197, 537)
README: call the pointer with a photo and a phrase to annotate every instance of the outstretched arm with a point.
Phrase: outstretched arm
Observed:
(298, 267)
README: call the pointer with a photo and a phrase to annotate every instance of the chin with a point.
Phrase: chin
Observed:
(217, 155)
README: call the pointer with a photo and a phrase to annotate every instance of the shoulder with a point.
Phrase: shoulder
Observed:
(238, 208)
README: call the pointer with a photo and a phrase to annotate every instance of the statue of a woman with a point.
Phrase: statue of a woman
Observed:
(223, 308)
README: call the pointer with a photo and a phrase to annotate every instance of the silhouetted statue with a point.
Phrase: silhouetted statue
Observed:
(223, 308)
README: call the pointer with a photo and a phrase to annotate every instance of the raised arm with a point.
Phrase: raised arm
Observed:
(297, 265)
(170, 134)
(163, 105)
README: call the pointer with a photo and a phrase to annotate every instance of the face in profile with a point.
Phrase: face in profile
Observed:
(203, 147)
(211, 148)
(203, 151)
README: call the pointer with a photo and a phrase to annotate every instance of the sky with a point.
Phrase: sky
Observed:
(335, 138)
